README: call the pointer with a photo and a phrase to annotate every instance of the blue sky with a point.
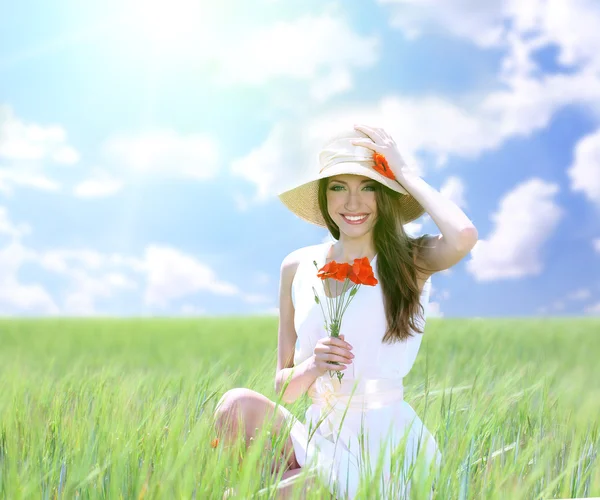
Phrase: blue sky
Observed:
(142, 146)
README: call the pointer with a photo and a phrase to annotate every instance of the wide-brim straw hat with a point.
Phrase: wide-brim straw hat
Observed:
(340, 156)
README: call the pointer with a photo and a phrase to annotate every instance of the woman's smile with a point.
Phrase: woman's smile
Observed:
(355, 219)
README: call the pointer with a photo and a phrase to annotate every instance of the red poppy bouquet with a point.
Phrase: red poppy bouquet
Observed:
(353, 276)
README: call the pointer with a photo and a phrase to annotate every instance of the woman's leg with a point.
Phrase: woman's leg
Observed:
(290, 491)
(295, 491)
(254, 410)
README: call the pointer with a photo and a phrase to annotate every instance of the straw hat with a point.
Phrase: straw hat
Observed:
(340, 156)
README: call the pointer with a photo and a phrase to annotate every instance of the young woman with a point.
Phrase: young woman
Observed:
(363, 194)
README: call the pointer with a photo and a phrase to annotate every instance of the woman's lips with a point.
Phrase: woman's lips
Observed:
(355, 222)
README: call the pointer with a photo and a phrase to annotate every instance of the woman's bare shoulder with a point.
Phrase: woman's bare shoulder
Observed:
(292, 260)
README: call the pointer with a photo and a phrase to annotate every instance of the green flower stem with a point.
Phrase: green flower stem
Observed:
(351, 297)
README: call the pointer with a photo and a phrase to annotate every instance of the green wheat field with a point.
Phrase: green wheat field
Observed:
(122, 408)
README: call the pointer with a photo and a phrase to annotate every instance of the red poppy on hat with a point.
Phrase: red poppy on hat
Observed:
(381, 166)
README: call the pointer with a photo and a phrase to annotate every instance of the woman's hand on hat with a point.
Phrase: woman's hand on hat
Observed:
(381, 142)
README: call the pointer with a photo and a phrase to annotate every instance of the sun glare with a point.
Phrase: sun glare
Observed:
(168, 24)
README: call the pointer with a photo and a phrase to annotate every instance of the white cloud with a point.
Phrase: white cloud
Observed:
(164, 152)
(270, 165)
(261, 278)
(269, 311)
(336, 82)
(30, 141)
(529, 97)
(596, 244)
(438, 295)
(63, 260)
(454, 190)
(169, 274)
(263, 165)
(581, 294)
(585, 170)
(97, 188)
(434, 310)
(594, 309)
(526, 218)
(289, 154)
(256, 298)
(26, 177)
(441, 295)
(28, 148)
(478, 21)
(560, 304)
(17, 297)
(432, 124)
(241, 202)
(322, 50)
(311, 56)
(192, 310)
(173, 274)
(85, 290)
(11, 229)
(570, 24)
(90, 276)
(413, 229)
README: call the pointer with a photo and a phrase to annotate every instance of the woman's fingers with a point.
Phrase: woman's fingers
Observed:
(335, 354)
(376, 134)
(367, 143)
(331, 366)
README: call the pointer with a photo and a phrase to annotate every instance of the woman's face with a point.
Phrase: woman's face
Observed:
(351, 203)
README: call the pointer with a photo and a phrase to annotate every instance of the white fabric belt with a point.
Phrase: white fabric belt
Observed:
(355, 394)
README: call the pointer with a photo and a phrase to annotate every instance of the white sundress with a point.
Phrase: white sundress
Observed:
(341, 454)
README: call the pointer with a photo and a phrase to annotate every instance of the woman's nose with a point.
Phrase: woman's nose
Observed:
(353, 200)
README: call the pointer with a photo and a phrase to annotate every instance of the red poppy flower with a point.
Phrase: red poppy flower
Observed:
(381, 166)
(334, 271)
(361, 272)
(327, 271)
(342, 271)
(214, 443)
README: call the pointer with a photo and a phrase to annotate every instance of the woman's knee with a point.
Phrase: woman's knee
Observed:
(248, 411)
(238, 398)
(230, 398)
(238, 403)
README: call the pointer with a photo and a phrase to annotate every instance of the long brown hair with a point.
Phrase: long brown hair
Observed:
(396, 266)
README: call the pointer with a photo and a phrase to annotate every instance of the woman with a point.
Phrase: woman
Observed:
(363, 193)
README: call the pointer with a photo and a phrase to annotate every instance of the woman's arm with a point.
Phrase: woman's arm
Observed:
(459, 235)
(300, 377)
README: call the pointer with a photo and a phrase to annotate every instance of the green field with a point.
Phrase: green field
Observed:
(121, 408)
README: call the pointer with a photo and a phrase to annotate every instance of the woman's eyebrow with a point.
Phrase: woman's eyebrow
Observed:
(343, 182)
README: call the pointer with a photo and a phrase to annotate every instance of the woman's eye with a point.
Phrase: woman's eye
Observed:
(334, 188)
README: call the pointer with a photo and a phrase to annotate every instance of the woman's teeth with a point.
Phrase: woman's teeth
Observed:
(354, 220)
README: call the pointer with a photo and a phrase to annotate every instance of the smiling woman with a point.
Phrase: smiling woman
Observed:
(364, 194)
